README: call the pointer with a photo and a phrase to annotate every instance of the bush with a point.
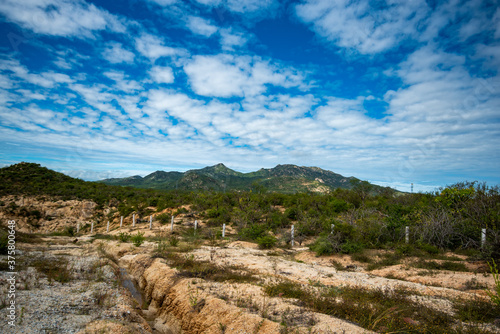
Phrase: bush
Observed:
(323, 246)
(405, 249)
(267, 241)
(253, 232)
(350, 247)
(180, 211)
(433, 250)
(124, 237)
(495, 295)
(173, 241)
(163, 218)
(138, 239)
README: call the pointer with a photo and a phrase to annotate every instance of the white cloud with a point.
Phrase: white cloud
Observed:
(153, 48)
(210, 2)
(60, 17)
(228, 75)
(201, 26)
(362, 26)
(44, 79)
(490, 53)
(123, 84)
(162, 74)
(231, 39)
(164, 2)
(115, 54)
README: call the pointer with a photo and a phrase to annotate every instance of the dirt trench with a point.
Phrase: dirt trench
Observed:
(179, 307)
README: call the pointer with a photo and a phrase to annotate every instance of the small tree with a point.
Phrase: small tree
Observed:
(138, 239)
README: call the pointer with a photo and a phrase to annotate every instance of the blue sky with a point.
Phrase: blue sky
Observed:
(394, 92)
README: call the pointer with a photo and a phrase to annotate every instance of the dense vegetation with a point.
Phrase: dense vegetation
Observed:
(451, 218)
(287, 179)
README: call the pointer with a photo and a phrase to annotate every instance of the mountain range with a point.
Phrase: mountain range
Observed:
(282, 178)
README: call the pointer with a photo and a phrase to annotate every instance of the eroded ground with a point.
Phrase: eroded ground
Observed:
(74, 285)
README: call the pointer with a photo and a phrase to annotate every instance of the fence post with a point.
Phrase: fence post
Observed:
(133, 220)
(195, 226)
(92, 228)
(172, 224)
(407, 234)
(223, 230)
(483, 237)
(107, 227)
(121, 221)
(150, 222)
(77, 227)
(293, 232)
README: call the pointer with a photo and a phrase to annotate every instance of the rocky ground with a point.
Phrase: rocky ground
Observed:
(76, 285)
(89, 283)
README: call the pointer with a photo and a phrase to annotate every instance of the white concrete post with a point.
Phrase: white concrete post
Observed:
(195, 226)
(150, 222)
(133, 220)
(121, 221)
(293, 232)
(333, 226)
(223, 230)
(92, 228)
(77, 227)
(483, 237)
(172, 224)
(107, 228)
(407, 234)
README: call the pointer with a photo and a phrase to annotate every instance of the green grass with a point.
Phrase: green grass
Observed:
(476, 310)
(388, 259)
(285, 289)
(361, 257)
(124, 237)
(386, 311)
(446, 265)
(188, 266)
(55, 269)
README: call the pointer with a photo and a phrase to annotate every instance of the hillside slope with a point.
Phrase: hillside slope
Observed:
(282, 178)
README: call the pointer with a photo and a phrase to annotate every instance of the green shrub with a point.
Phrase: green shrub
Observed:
(322, 246)
(180, 211)
(163, 218)
(173, 240)
(253, 232)
(267, 241)
(292, 213)
(495, 294)
(123, 237)
(405, 249)
(138, 239)
(350, 247)
(433, 250)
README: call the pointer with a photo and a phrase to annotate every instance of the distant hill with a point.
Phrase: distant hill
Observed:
(282, 178)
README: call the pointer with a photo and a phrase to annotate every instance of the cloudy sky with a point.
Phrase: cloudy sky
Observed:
(393, 92)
